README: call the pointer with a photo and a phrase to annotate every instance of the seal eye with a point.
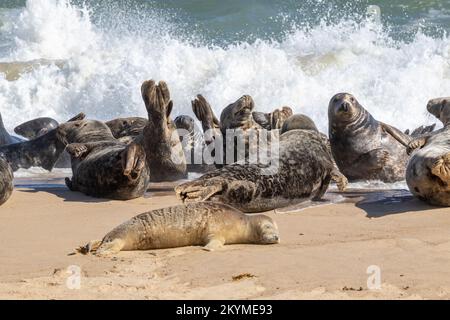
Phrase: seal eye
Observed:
(352, 99)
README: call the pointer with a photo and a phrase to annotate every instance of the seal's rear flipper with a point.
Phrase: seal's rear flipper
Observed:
(92, 246)
(133, 161)
(441, 168)
(204, 113)
(422, 130)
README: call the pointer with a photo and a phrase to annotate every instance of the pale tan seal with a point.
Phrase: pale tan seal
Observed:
(428, 171)
(211, 225)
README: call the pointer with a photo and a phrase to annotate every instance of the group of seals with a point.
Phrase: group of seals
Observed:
(211, 225)
(428, 171)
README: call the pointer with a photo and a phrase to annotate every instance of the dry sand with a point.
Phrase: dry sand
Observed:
(324, 253)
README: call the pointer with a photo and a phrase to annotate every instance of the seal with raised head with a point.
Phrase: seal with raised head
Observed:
(364, 148)
(428, 170)
(302, 171)
(43, 151)
(6, 181)
(103, 166)
(35, 128)
(160, 139)
(211, 225)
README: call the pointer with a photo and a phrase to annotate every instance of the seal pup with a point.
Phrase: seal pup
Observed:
(162, 145)
(35, 128)
(211, 225)
(5, 137)
(6, 181)
(428, 170)
(43, 151)
(363, 147)
(103, 166)
(304, 171)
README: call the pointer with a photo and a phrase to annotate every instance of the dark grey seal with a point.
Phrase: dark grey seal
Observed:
(364, 148)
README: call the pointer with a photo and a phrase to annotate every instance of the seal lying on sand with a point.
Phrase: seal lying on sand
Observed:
(43, 151)
(164, 152)
(211, 225)
(428, 171)
(363, 147)
(6, 181)
(304, 170)
(35, 128)
(5, 137)
(103, 166)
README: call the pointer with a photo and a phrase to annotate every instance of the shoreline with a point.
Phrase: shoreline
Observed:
(324, 252)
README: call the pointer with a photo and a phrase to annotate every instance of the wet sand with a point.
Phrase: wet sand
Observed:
(324, 253)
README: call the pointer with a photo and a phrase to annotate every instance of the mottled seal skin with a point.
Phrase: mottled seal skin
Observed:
(211, 225)
(304, 172)
(5, 137)
(127, 127)
(428, 171)
(43, 151)
(103, 166)
(273, 120)
(364, 148)
(6, 181)
(165, 155)
(35, 128)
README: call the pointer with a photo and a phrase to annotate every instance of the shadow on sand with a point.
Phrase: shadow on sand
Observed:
(61, 191)
(380, 203)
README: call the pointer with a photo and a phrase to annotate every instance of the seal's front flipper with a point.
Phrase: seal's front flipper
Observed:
(441, 168)
(198, 191)
(77, 150)
(401, 137)
(214, 244)
(340, 179)
(69, 184)
(416, 144)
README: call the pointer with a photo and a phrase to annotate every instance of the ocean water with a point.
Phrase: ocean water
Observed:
(60, 57)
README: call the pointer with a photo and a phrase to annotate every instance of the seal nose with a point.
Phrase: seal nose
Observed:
(345, 106)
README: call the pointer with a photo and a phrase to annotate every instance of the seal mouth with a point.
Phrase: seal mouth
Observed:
(345, 106)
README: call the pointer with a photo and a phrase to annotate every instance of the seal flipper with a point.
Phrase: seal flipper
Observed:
(133, 161)
(441, 168)
(198, 191)
(204, 113)
(323, 188)
(417, 143)
(404, 139)
(214, 244)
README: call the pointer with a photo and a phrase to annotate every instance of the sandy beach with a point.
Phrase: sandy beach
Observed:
(324, 253)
